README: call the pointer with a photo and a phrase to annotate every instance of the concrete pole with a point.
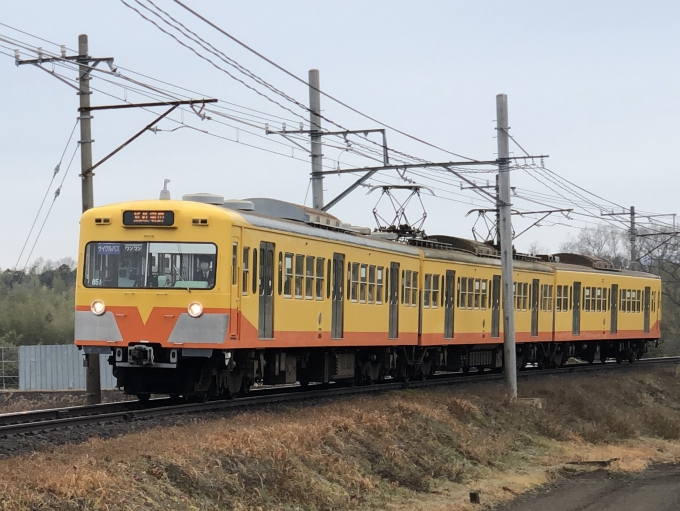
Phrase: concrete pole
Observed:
(315, 122)
(92, 380)
(504, 207)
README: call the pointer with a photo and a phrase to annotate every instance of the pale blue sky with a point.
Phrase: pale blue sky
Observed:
(593, 84)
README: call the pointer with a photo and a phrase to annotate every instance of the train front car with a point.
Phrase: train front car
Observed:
(153, 292)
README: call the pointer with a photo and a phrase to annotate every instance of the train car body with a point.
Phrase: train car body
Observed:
(202, 297)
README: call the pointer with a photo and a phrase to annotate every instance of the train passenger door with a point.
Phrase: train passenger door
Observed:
(337, 306)
(265, 326)
(449, 300)
(648, 290)
(576, 309)
(614, 308)
(534, 307)
(496, 306)
(394, 301)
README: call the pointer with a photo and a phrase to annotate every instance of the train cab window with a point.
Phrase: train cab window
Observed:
(246, 269)
(371, 284)
(355, 281)
(288, 276)
(150, 264)
(234, 263)
(255, 268)
(363, 282)
(379, 285)
(309, 278)
(320, 263)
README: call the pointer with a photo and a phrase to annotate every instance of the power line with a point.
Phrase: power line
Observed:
(47, 191)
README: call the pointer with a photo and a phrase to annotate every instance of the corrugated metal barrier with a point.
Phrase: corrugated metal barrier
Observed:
(57, 367)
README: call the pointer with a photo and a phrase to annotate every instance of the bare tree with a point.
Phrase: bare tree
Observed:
(604, 241)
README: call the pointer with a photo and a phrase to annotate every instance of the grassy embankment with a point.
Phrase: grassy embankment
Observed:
(404, 450)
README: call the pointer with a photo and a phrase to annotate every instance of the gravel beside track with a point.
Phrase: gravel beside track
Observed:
(40, 430)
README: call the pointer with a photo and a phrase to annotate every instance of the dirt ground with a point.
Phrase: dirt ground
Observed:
(12, 401)
(654, 489)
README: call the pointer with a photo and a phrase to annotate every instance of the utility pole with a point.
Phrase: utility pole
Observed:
(315, 135)
(632, 235)
(505, 231)
(93, 383)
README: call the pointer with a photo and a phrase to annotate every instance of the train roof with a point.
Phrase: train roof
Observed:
(296, 219)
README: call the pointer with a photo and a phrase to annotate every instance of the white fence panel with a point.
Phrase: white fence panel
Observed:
(58, 367)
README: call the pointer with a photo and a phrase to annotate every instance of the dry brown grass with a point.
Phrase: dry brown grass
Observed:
(409, 449)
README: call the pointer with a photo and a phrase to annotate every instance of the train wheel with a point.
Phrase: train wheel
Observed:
(144, 397)
(619, 357)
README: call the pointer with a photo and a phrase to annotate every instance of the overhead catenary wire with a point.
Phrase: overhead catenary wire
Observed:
(47, 191)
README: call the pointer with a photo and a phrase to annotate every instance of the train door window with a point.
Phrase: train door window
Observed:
(309, 277)
(234, 263)
(371, 284)
(246, 269)
(299, 274)
(435, 291)
(355, 281)
(280, 273)
(363, 282)
(484, 295)
(255, 267)
(288, 276)
(379, 284)
(328, 282)
(320, 263)
(427, 290)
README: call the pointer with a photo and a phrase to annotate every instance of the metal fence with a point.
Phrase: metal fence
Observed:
(9, 367)
(57, 367)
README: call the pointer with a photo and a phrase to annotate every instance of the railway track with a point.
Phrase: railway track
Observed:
(43, 420)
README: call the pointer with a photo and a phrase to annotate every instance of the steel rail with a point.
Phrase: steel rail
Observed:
(42, 420)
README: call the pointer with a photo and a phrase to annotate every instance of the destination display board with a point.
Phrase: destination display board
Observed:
(149, 218)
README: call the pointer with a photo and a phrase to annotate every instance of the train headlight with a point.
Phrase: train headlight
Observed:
(98, 308)
(195, 309)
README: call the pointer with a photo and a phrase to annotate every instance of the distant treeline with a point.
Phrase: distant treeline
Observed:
(36, 307)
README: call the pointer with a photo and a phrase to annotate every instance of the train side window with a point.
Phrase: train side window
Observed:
(309, 277)
(280, 273)
(478, 293)
(246, 269)
(586, 299)
(406, 291)
(234, 263)
(415, 285)
(355, 281)
(349, 280)
(441, 296)
(427, 290)
(380, 272)
(328, 282)
(471, 292)
(558, 304)
(605, 299)
(639, 301)
(460, 301)
(402, 284)
(299, 274)
(320, 263)
(371, 284)
(288, 276)
(363, 282)
(255, 268)
(435, 291)
(387, 286)
(484, 293)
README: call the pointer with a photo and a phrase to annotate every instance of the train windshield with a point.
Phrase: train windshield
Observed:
(150, 264)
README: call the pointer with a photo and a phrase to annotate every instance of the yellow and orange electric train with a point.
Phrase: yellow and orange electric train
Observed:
(204, 297)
